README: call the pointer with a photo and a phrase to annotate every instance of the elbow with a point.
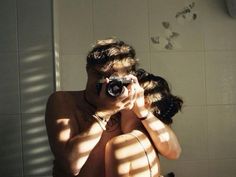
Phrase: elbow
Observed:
(171, 152)
(67, 169)
(73, 171)
(174, 154)
(70, 167)
(179, 153)
(74, 168)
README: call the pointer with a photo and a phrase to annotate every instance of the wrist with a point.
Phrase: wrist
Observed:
(143, 114)
(144, 117)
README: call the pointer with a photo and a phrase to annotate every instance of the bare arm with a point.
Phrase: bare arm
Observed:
(162, 135)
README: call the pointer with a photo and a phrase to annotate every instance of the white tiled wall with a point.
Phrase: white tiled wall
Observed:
(75, 26)
(125, 19)
(26, 67)
(201, 68)
(78, 63)
(221, 77)
(11, 146)
(185, 72)
(34, 21)
(191, 32)
(36, 155)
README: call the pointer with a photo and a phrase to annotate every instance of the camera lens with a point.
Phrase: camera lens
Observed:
(115, 88)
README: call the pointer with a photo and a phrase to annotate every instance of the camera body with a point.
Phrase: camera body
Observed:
(115, 86)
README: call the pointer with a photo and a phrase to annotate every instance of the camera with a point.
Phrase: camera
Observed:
(115, 86)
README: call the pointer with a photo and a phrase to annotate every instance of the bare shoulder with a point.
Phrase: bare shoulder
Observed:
(59, 117)
(60, 102)
(60, 111)
(58, 97)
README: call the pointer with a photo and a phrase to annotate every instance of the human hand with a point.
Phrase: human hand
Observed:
(138, 100)
(108, 105)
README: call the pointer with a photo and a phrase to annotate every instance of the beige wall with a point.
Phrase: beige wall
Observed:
(201, 67)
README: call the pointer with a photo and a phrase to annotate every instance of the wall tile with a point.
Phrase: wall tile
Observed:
(185, 168)
(8, 26)
(9, 87)
(221, 77)
(11, 164)
(219, 168)
(75, 26)
(36, 80)
(215, 9)
(222, 131)
(127, 21)
(144, 60)
(191, 128)
(35, 25)
(219, 27)
(190, 31)
(185, 73)
(73, 72)
(37, 154)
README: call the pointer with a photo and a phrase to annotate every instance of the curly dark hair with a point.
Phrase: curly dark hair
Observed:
(110, 50)
(164, 104)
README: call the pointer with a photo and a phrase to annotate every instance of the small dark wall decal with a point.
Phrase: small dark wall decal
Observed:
(187, 13)
(166, 41)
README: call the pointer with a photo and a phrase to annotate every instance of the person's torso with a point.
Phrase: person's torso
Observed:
(95, 164)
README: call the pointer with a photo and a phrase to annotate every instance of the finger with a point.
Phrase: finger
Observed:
(134, 78)
(132, 92)
(129, 100)
(128, 104)
(135, 94)
(131, 88)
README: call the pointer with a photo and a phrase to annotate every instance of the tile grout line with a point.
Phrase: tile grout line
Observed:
(19, 85)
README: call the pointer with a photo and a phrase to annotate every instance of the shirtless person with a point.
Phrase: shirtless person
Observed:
(80, 123)
(132, 154)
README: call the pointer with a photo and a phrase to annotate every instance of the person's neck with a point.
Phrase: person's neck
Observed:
(88, 98)
(129, 121)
